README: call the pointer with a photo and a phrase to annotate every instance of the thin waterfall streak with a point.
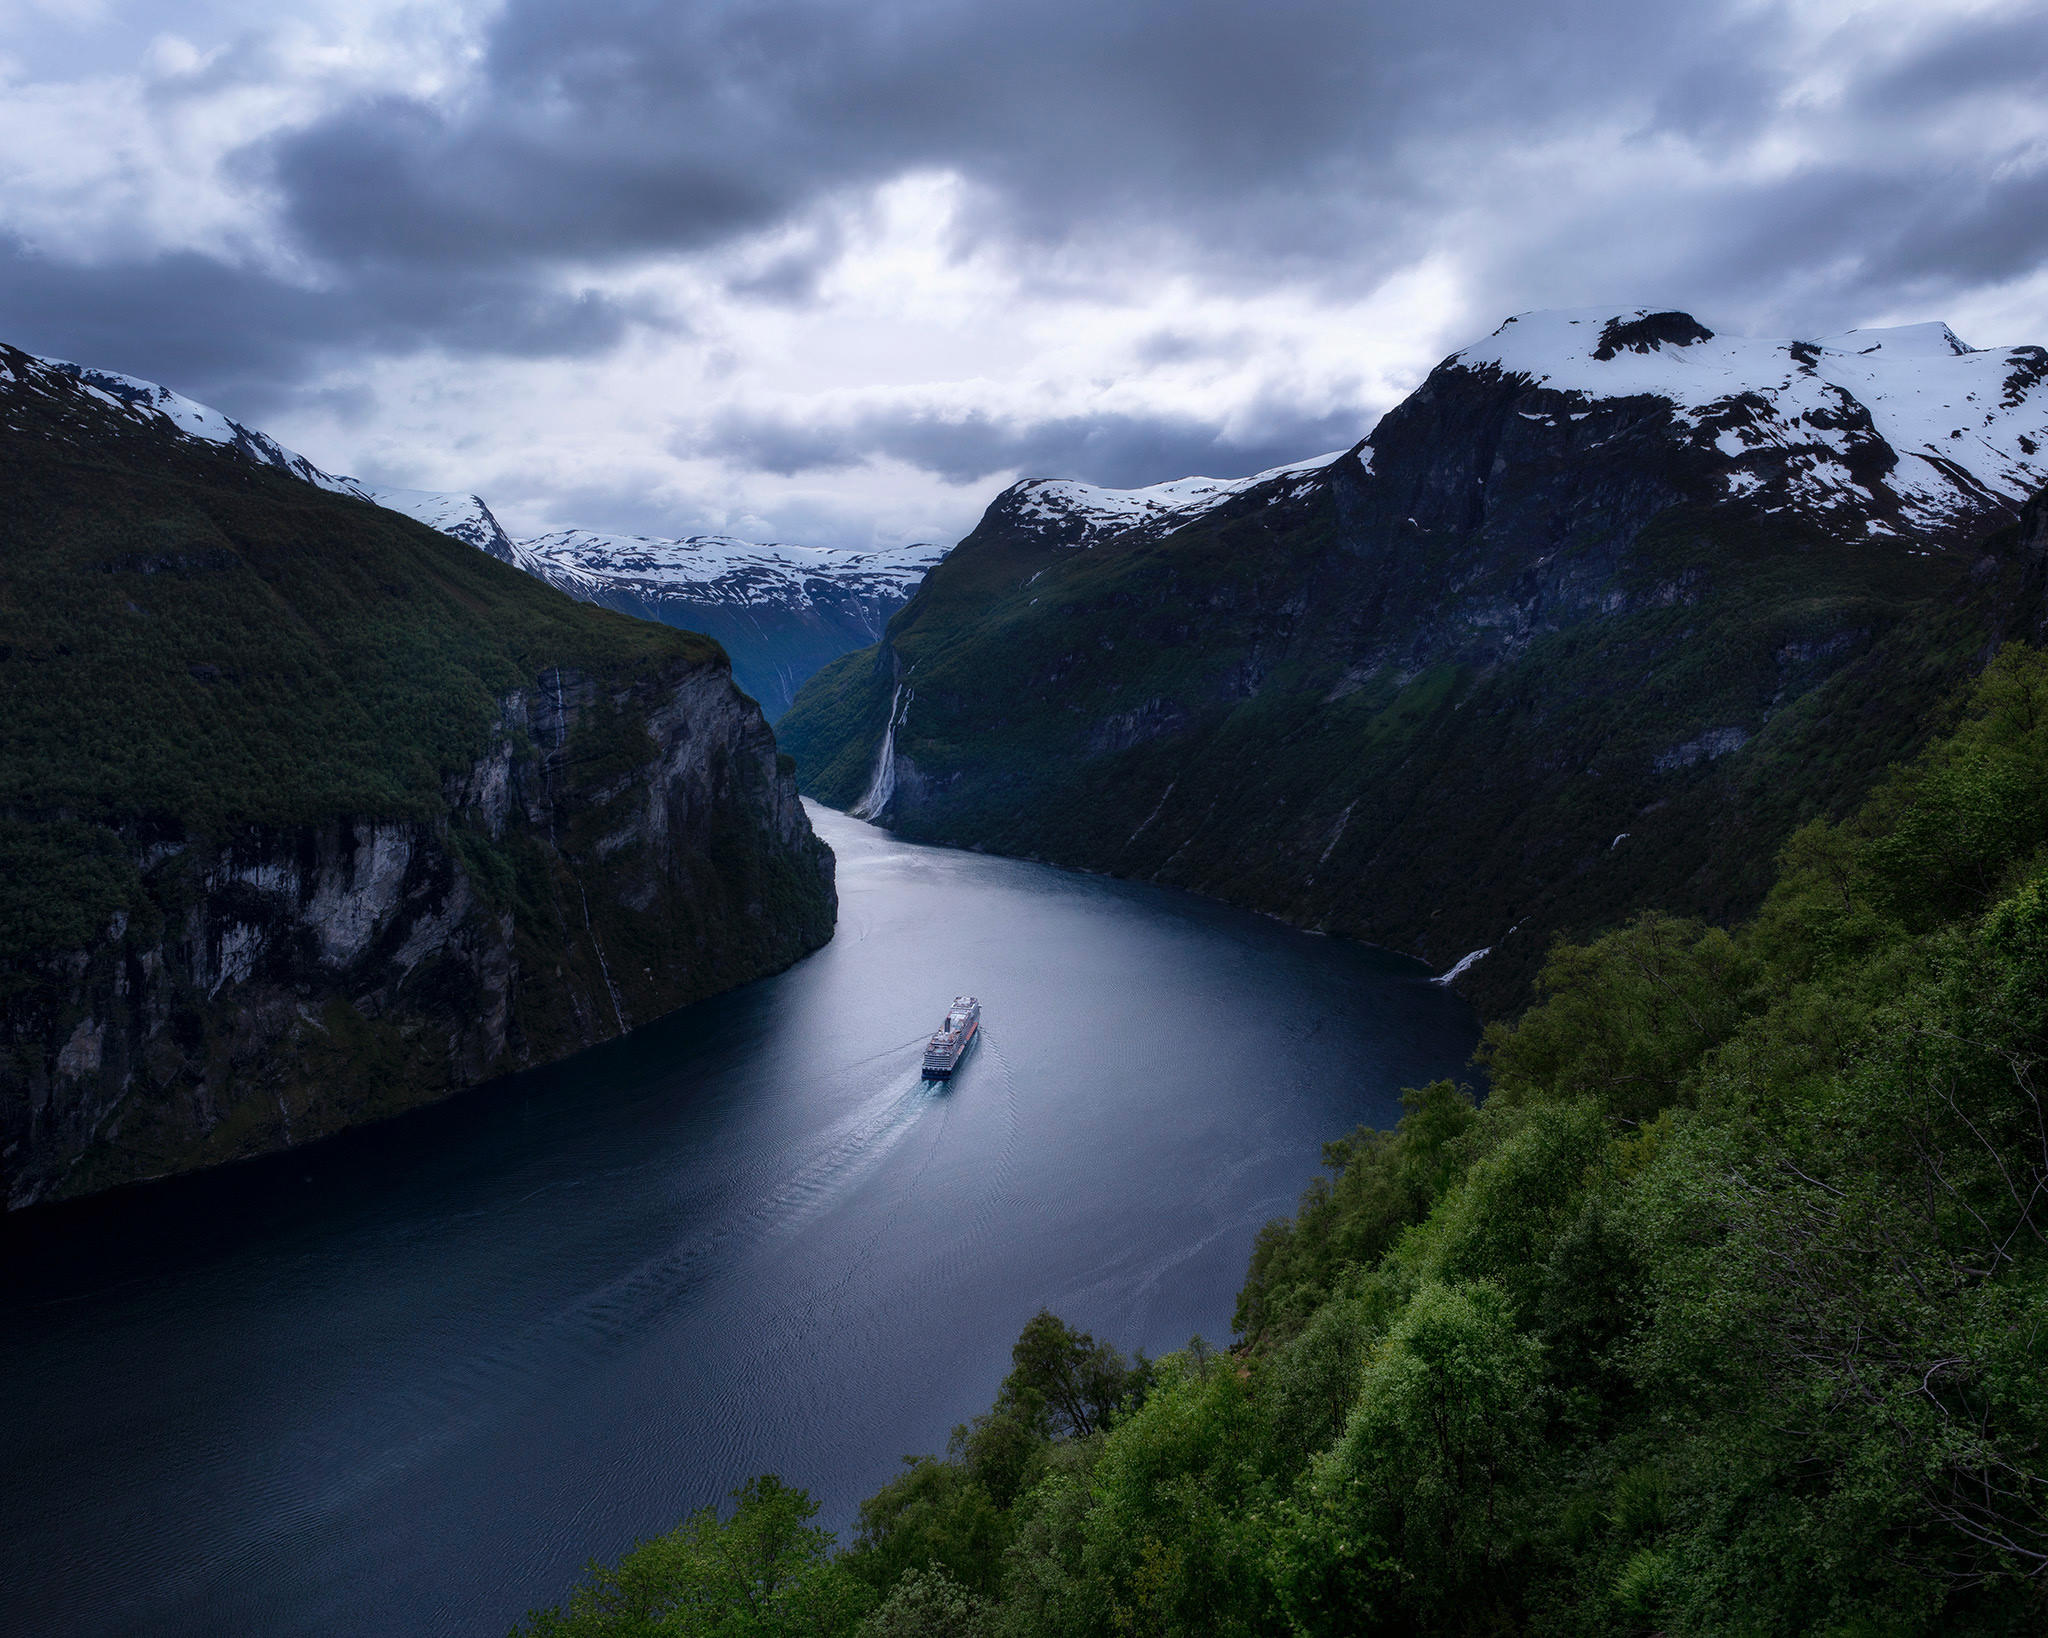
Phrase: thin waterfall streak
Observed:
(882, 787)
(603, 966)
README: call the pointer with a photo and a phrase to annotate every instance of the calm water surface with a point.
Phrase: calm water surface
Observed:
(409, 1381)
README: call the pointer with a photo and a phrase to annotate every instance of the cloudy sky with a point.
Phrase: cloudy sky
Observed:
(837, 270)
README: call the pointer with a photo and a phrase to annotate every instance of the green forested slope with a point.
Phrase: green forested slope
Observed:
(1727, 1313)
(309, 813)
(1435, 742)
(185, 632)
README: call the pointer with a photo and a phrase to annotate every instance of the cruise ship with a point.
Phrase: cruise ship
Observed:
(942, 1054)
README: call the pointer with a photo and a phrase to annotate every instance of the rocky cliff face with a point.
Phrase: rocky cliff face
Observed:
(2028, 542)
(1590, 621)
(309, 814)
(278, 983)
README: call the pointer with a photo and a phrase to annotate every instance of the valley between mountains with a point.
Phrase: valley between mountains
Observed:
(1677, 698)
(1593, 621)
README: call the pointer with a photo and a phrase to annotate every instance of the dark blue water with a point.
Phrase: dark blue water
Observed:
(409, 1381)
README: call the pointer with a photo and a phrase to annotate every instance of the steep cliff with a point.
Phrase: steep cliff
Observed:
(309, 814)
(1590, 621)
(2027, 543)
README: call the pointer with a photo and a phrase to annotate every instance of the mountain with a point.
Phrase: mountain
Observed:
(121, 404)
(1596, 617)
(781, 611)
(309, 814)
(466, 517)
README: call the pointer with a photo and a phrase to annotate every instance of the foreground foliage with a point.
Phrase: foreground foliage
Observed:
(1728, 1313)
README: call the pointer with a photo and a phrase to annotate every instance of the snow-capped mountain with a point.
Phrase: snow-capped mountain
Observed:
(1070, 513)
(1874, 433)
(1596, 616)
(159, 408)
(1892, 431)
(781, 610)
(738, 572)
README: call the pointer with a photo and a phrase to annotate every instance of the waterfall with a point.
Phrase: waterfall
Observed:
(1463, 963)
(883, 786)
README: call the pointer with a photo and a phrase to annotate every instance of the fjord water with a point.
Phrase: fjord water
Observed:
(411, 1380)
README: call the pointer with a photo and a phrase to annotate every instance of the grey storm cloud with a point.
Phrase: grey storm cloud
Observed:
(1978, 55)
(1118, 450)
(246, 335)
(1261, 131)
(1321, 140)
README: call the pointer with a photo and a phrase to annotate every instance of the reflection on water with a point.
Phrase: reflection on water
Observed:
(409, 1381)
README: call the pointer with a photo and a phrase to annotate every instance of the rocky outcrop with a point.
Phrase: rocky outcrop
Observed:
(616, 853)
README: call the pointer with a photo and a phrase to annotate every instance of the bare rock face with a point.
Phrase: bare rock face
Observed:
(616, 854)
(2030, 542)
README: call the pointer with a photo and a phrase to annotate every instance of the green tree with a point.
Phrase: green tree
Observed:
(1379, 1184)
(1854, 1293)
(929, 1604)
(1432, 1460)
(934, 1514)
(1178, 1501)
(1079, 1383)
(1626, 1019)
(766, 1572)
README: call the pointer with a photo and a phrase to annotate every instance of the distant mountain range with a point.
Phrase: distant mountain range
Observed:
(1590, 621)
(781, 611)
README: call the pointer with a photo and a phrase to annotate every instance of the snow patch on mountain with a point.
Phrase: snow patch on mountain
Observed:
(148, 403)
(466, 517)
(1091, 513)
(1909, 423)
